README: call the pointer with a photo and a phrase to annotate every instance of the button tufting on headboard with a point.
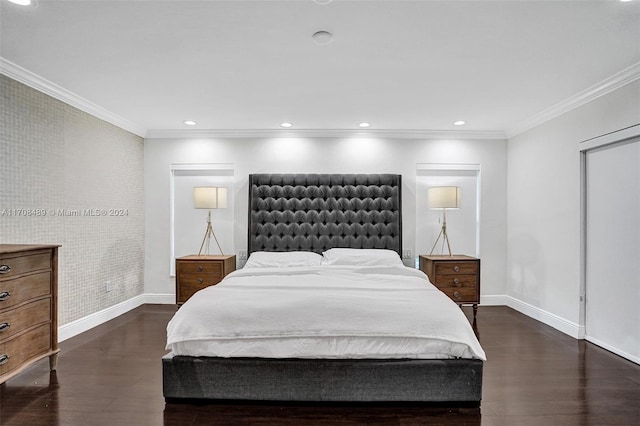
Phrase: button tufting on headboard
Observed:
(316, 212)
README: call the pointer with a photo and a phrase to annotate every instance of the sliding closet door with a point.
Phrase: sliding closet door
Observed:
(613, 248)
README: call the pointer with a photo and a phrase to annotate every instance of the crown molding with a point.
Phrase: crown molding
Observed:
(620, 79)
(34, 81)
(324, 133)
(608, 85)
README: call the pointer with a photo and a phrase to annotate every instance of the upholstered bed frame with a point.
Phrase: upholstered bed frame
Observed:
(315, 212)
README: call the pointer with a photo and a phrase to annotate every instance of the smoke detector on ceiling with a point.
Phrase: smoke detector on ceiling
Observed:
(322, 37)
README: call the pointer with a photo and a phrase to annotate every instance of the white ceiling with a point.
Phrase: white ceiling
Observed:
(250, 65)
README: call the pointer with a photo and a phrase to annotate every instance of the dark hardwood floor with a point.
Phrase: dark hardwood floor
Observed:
(535, 375)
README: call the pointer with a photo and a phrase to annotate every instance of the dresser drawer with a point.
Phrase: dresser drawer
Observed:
(15, 352)
(19, 290)
(214, 268)
(450, 268)
(14, 321)
(11, 266)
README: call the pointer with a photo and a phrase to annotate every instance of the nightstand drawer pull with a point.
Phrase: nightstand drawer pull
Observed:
(4, 296)
(456, 295)
(200, 268)
(5, 269)
(200, 280)
(456, 281)
(4, 326)
(4, 359)
(456, 268)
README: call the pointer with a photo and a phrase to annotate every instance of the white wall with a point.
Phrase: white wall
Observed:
(544, 196)
(323, 155)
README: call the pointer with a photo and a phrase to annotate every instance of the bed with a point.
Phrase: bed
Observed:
(329, 246)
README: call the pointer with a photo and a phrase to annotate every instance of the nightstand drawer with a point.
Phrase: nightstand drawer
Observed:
(456, 281)
(450, 268)
(460, 295)
(187, 290)
(200, 280)
(200, 267)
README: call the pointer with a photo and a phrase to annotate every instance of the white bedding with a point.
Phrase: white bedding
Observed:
(323, 312)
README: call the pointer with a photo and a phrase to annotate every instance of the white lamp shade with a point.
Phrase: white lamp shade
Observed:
(444, 197)
(209, 197)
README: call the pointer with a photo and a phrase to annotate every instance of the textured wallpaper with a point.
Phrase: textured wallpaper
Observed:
(69, 178)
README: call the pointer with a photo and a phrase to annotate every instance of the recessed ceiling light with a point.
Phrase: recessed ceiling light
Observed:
(459, 123)
(364, 124)
(21, 2)
(286, 124)
(189, 122)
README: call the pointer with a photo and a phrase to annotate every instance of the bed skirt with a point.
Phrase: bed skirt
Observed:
(322, 380)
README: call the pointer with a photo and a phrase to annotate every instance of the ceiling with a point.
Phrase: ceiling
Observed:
(251, 65)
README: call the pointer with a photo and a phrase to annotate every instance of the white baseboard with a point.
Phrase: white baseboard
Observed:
(160, 299)
(616, 351)
(81, 325)
(568, 327)
(493, 300)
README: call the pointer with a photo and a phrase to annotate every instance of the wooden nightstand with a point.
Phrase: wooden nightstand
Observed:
(195, 272)
(457, 276)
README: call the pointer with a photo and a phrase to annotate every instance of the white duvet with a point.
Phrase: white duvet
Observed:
(323, 312)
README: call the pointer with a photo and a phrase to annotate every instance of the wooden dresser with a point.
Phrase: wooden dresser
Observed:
(28, 307)
(457, 276)
(195, 272)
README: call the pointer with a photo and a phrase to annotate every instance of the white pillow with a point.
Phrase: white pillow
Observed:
(361, 257)
(282, 259)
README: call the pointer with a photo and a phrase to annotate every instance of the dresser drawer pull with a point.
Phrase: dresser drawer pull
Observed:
(4, 358)
(4, 296)
(456, 281)
(200, 280)
(200, 268)
(456, 295)
(4, 326)
(456, 268)
(5, 269)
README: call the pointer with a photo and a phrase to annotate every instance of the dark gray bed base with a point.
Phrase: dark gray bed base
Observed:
(322, 380)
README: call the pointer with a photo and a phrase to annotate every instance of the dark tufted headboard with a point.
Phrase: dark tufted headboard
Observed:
(315, 212)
